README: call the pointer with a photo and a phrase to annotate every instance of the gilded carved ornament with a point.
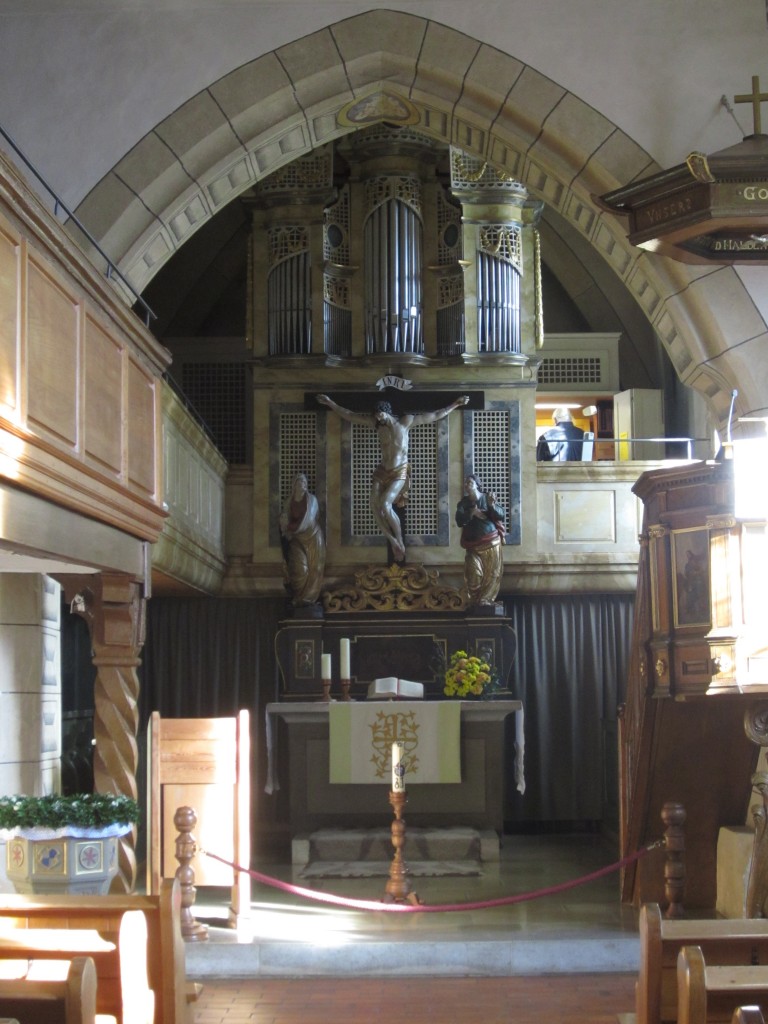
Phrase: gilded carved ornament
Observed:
(376, 107)
(724, 521)
(394, 588)
(661, 668)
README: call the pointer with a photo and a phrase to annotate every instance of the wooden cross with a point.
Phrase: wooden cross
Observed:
(755, 98)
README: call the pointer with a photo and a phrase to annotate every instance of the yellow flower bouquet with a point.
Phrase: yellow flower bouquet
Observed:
(467, 675)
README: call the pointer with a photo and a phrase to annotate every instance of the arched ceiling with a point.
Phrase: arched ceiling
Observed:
(192, 166)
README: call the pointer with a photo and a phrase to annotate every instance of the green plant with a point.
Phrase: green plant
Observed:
(83, 810)
(467, 675)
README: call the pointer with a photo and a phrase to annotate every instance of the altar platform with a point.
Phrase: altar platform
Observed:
(580, 930)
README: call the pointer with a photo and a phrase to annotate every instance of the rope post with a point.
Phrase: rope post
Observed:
(673, 816)
(185, 820)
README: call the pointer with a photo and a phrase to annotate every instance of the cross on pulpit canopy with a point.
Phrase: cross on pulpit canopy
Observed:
(755, 98)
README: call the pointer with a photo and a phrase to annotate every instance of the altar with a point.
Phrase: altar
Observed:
(491, 750)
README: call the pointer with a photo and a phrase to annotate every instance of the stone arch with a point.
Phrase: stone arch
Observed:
(281, 105)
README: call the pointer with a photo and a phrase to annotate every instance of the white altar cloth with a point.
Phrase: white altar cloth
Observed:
(362, 734)
(470, 711)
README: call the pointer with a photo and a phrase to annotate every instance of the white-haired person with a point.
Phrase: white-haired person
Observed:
(563, 442)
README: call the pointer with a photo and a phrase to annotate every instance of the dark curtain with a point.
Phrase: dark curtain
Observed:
(210, 658)
(570, 671)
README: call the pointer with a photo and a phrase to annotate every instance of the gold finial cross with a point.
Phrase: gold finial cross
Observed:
(755, 98)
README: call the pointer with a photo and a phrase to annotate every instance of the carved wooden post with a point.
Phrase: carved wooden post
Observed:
(756, 729)
(185, 820)
(113, 606)
(673, 816)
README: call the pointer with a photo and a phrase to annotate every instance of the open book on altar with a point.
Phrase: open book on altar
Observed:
(390, 687)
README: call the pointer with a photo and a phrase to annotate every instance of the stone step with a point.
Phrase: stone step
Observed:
(375, 844)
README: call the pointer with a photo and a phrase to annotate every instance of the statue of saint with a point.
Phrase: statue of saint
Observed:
(481, 520)
(303, 544)
(391, 478)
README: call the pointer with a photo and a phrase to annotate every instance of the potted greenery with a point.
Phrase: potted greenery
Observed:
(64, 843)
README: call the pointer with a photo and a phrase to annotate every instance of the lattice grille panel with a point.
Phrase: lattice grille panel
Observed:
(421, 511)
(491, 452)
(449, 239)
(298, 451)
(502, 241)
(336, 225)
(217, 393)
(306, 173)
(404, 187)
(571, 370)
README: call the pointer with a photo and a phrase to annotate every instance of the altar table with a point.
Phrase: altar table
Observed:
(492, 757)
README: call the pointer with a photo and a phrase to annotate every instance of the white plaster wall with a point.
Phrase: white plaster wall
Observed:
(30, 688)
(82, 81)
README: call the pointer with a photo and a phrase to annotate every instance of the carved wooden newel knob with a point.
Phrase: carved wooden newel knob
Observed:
(185, 820)
(673, 816)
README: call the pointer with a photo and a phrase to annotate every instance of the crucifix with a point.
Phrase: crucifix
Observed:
(755, 98)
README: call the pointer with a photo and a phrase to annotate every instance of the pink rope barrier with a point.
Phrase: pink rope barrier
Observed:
(501, 901)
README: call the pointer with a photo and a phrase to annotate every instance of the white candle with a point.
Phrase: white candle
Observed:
(344, 658)
(325, 666)
(398, 770)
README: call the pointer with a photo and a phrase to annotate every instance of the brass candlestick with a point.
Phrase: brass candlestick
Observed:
(345, 685)
(326, 690)
(398, 887)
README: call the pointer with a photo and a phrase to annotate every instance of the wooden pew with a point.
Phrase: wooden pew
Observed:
(748, 1015)
(165, 961)
(726, 942)
(50, 991)
(716, 993)
(122, 990)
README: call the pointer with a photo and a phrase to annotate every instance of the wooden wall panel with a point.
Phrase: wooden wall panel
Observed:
(142, 453)
(79, 376)
(53, 356)
(10, 284)
(103, 399)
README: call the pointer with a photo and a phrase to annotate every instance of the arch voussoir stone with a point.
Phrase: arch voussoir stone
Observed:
(282, 104)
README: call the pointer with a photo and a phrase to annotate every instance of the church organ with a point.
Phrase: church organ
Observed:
(387, 262)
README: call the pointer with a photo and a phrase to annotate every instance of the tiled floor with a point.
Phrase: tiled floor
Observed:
(561, 999)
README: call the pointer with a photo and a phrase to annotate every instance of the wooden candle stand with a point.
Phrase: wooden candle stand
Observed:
(345, 685)
(398, 887)
(326, 690)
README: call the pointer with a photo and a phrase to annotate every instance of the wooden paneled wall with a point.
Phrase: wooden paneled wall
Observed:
(80, 375)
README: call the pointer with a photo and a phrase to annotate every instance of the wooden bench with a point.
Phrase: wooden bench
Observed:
(122, 984)
(716, 993)
(745, 1015)
(103, 916)
(50, 991)
(725, 942)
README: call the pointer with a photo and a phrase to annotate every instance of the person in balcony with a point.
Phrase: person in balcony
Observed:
(481, 519)
(563, 442)
(303, 544)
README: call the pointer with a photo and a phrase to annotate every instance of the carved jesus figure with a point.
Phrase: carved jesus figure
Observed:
(390, 480)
